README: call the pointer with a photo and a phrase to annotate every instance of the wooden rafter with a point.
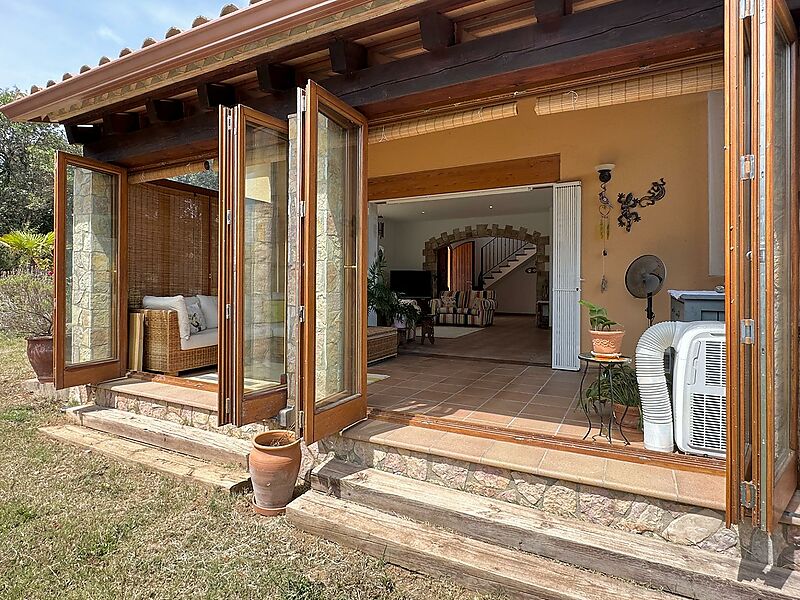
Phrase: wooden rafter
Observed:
(437, 31)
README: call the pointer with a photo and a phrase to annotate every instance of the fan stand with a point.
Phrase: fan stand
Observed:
(651, 316)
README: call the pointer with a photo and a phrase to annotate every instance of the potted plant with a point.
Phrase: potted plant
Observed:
(26, 310)
(274, 464)
(380, 298)
(605, 340)
(626, 402)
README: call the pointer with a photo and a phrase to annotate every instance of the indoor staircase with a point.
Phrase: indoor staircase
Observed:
(203, 457)
(516, 552)
(501, 256)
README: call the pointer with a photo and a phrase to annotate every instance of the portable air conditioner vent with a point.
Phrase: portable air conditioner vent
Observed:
(699, 390)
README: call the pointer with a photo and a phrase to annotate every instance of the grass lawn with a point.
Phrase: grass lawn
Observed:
(77, 525)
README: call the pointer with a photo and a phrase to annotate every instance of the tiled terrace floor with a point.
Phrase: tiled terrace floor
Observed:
(513, 338)
(521, 398)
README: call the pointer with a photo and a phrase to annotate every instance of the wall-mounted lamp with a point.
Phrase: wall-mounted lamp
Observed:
(381, 228)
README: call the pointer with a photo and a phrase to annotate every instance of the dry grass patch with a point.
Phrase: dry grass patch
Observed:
(77, 525)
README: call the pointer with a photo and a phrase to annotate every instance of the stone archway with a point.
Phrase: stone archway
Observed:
(430, 253)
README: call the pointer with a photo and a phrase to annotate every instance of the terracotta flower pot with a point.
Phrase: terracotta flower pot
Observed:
(40, 355)
(607, 342)
(274, 465)
(631, 418)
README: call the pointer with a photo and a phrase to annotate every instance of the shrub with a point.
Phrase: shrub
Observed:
(26, 303)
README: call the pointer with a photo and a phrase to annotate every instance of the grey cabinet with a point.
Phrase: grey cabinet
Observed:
(697, 305)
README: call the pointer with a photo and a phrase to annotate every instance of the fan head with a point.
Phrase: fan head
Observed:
(645, 276)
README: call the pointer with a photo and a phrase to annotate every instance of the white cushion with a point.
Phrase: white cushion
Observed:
(208, 304)
(200, 340)
(176, 303)
(197, 320)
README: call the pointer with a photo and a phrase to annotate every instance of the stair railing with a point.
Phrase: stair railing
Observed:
(498, 252)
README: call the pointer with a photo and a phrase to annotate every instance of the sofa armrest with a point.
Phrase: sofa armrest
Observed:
(162, 338)
(436, 304)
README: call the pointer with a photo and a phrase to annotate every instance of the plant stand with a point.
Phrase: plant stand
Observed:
(605, 369)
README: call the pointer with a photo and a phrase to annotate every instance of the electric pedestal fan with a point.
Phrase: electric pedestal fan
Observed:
(644, 279)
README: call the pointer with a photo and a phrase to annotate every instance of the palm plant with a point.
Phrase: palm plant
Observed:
(33, 249)
(383, 300)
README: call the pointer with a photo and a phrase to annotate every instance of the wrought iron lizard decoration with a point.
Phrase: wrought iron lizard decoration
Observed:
(628, 216)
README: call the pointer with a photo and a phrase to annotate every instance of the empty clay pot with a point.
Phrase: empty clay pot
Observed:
(274, 464)
(40, 355)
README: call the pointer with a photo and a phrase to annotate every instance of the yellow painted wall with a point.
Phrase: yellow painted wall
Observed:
(647, 140)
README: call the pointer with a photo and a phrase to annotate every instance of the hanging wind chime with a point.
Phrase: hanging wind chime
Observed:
(604, 208)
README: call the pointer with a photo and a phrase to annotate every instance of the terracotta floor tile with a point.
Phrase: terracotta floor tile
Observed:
(464, 400)
(517, 457)
(513, 396)
(641, 479)
(381, 401)
(554, 413)
(501, 407)
(533, 425)
(447, 387)
(522, 387)
(410, 405)
(583, 468)
(432, 396)
(478, 392)
(460, 447)
(492, 418)
(701, 489)
(545, 400)
(453, 411)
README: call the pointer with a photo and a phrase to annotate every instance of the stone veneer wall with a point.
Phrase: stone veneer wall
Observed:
(91, 256)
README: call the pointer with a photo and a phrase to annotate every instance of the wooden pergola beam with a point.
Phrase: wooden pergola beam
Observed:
(119, 123)
(347, 56)
(623, 35)
(83, 134)
(437, 31)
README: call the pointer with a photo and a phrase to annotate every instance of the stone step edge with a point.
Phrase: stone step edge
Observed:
(113, 387)
(162, 433)
(176, 465)
(679, 569)
(470, 563)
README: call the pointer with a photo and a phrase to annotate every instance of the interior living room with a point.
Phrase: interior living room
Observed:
(497, 260)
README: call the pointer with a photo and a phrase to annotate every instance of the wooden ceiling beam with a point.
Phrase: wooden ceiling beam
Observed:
(83, 134)
(276, 77)
(213, 95)
(164, 111)
(437, 31)
(347, 57)
(625, 35)
(119, 123)
(551, 11)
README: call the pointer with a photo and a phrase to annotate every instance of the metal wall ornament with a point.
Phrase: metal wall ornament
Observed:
(628, 203)
(604, 208)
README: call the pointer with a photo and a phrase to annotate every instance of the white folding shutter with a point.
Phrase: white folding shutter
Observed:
(566, 281)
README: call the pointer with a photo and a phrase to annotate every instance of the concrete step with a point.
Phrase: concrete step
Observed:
(200, 443)
(437, 552)
(187, 468)
(678, 569)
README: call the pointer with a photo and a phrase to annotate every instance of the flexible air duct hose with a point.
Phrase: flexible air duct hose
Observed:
(656, 403)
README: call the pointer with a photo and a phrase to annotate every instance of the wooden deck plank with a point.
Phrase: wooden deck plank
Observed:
(182, 467)
(679, 569)
(200, 443)
(436, 552)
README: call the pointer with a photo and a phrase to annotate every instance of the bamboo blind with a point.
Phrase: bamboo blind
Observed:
(676, 82)
(434, 123)
(172, 243)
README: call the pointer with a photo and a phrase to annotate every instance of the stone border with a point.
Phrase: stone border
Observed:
(429, 254)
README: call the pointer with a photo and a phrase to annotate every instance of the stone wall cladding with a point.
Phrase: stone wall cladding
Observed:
(669, 521)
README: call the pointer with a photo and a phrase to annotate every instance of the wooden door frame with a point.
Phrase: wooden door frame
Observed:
(99, 371)
(349, 409)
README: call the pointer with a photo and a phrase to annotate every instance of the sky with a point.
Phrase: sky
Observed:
(43, 39)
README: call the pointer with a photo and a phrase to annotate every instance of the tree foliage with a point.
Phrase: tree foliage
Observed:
(26, 171)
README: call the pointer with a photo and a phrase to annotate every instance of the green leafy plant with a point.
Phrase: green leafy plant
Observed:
(26, 304)
(387, 304)
(626, 389)
(33, 250)
(598, 317)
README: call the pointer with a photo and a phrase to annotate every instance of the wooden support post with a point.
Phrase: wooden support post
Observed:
(83, 134)
(163, 111)
(347, 57)
(437, 31)
(213, 95)
(275, 77)
(118, 123)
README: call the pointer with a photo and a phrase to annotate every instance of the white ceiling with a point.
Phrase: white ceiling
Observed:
(458, 206)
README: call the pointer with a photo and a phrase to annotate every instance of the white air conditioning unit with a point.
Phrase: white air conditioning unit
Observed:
(698, 391)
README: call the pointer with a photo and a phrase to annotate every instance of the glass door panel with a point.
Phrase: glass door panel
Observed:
(90, 330)
(254, 195)
(333, 387)
(777, 238)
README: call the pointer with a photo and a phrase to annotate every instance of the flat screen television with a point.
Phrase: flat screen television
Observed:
(412, 284)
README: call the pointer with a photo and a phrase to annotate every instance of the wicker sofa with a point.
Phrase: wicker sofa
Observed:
(474, 308)
(162, 345)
